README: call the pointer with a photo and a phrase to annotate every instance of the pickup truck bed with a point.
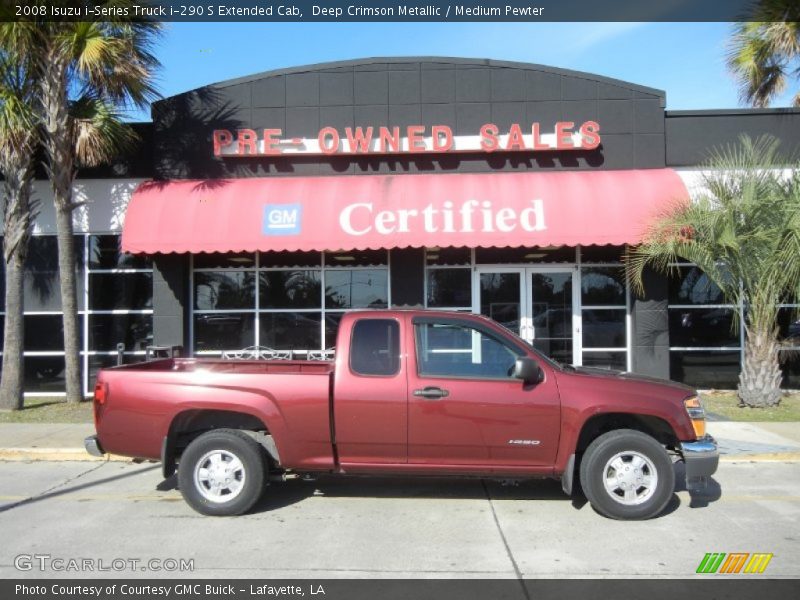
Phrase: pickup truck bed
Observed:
(151, 398)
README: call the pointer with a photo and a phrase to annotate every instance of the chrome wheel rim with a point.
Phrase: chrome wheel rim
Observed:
(630, 478)
(219, 476)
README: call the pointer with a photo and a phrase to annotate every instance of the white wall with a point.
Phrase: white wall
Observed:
(103, 211)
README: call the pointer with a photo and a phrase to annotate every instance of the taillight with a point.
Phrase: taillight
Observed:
(100, 392)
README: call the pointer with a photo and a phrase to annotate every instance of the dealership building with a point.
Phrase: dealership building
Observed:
(255, 212)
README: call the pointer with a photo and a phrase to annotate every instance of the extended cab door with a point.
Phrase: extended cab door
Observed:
(370, 392)
(464, 406)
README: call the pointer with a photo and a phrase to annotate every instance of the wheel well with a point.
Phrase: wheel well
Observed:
(191, 423)
(655, 427)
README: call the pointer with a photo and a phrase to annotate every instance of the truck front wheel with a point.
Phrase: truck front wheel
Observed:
(627, 474)
(221, 473)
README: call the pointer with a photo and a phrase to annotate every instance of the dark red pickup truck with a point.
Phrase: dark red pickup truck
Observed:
(409, 392)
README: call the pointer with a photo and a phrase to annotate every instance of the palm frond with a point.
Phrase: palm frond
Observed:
(100, 133)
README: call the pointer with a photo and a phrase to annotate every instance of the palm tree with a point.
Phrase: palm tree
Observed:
(90, 67)
(764, 51)
(18, 141)
(744, 233)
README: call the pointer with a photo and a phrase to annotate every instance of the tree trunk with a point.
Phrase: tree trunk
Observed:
(69, 304)
(18, 213)
(11, 385)
(59, 145)
(760, 379)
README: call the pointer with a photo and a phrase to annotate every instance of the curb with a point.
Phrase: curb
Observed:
(79, 454)
(56, 455)
(767, 457)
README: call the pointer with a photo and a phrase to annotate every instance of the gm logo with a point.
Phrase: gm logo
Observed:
(282, 219)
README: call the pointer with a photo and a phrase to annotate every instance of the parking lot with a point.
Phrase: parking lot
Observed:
(387, 528)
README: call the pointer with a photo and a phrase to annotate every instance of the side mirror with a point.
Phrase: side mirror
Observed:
(528, 370)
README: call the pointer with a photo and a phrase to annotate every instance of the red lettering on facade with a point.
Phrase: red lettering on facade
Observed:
(359, 141)
(389, 140)
(442, 138)
(271, 138)
(246, 139)
(222, 138)
(590, 132)
(328, 140)
(515, 139)
(416, 142)
(489, 137)
(564, 135)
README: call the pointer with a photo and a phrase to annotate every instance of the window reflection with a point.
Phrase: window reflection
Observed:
(359, 288)
(224, 290)
(223, 331)
(691, 286)
(290, 331)
(449, 288)
(290, 289)
(130, 291)
(133, 330)
(603, 286)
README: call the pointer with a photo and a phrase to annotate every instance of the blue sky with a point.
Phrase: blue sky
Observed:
(687, 60)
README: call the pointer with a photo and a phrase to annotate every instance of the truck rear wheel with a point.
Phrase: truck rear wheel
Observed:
(627, 474)
(221, 472)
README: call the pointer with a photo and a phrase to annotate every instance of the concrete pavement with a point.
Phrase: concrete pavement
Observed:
(386, 527)
(64, 442)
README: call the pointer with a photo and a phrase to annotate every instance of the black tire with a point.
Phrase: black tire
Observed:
(198, 488)
(629, 449)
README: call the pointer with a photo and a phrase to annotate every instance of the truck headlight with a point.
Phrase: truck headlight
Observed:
(694, 408)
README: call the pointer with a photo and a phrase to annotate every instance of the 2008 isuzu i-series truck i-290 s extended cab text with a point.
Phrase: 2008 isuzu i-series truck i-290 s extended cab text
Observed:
(409, 392)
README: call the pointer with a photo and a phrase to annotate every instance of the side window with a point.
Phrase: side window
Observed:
(455, 350)
(375, 347)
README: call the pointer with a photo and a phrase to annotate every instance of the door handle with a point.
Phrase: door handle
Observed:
(431, 393)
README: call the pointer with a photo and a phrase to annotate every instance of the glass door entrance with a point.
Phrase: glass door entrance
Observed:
(540, 304)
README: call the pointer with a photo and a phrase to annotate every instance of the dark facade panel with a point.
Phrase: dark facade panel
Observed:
(651, 327)
(408, 278)
(692, 135)
(170, 300)
(462, 93)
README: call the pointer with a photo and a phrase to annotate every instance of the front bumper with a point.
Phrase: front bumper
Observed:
(702, 459)
(92, 445)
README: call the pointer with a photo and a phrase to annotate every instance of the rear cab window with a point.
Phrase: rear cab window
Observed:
(375, 348)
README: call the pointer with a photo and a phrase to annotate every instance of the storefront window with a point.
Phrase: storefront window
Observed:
(291, 330)
(361, 288)
(290, 289)
(223, 331)
(120, 303)
(704, 331)
(283, 300)
(132, 329)
(222, 290)
(705, 368)
(604, 298)
(449, 288)
(689, 285)
(115, 291)
(115, 297)
(105, 253)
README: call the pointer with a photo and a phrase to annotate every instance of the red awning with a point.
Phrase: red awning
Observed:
(396, 211)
